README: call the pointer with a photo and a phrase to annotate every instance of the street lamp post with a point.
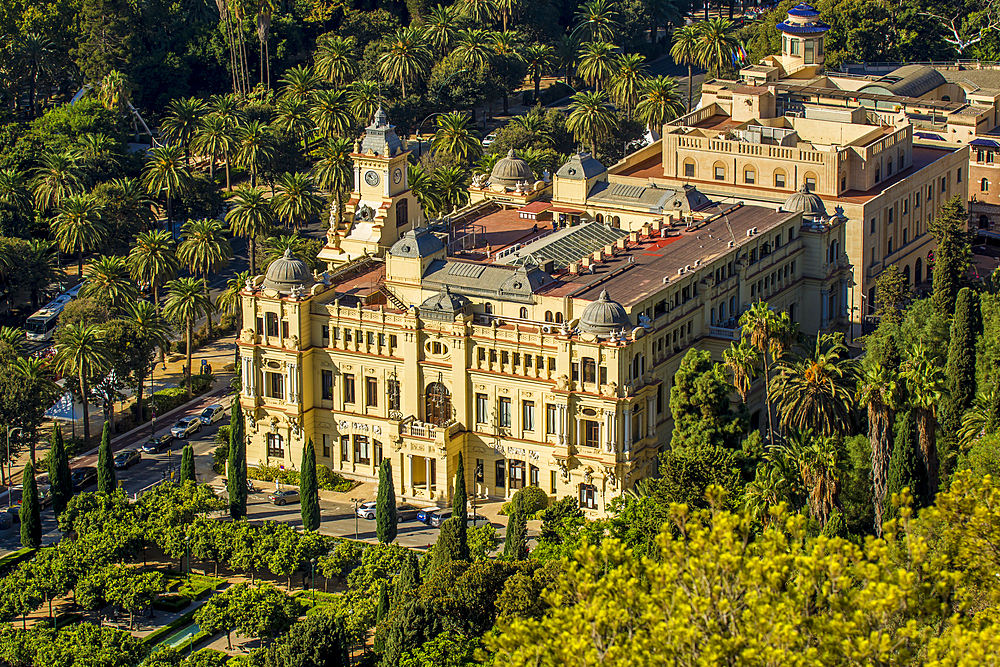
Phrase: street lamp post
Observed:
(420, 145)
(10, 463)
(356, 501)
(312, 569)
(187, 542)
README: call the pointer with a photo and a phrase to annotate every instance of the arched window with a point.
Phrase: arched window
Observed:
(984, 185)
(558, 318)
(690, 170)
(437, 404)
(810, 181)
(402, 212)
(489, 309)
(524, 313)
(599, 218)
(719, 171)
(749, 175)
(779, 178)
(946, 98)
(617, 221)
(984, 222)
(906, 274)
(548, 315)
(918, 268)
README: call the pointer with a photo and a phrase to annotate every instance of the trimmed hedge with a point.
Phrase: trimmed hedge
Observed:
(531, 498)
(168, 629)
(15, 558)
(171, 603)
(327, 479)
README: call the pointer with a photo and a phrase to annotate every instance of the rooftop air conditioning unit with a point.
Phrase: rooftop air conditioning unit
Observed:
(749, 233)
(731, 244)
(666, 279)
(697, 262)
(680, 271)
(688, 268)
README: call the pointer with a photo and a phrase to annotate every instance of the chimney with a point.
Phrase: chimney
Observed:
(621, 243)
(574, 268)
(633, 237)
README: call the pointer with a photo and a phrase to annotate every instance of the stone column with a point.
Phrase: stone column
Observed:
(651, 419)
(611, 421)
(579, 429)
(427, 474)
(562, 424)
(628, 428)
(409, 463)
(825, 308)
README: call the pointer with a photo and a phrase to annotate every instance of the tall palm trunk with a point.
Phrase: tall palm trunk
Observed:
(252, 250)
(767, 398)
(190, 328)
(83, 400)
(926, 426)
(79, 261)
(538, 83)
(690, 86)
(879, 418)
(225, 156)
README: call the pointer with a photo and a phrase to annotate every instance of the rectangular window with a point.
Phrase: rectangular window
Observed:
(336, 333)
(501, 474)
(503, 416)
(811, 183)
(392, 340)
(576, 371)
(916, 199)
(552, 482)
(944, 184)
(659, 399)
(348, 388)
(592, 433)
(327, 384)
(528, 416)
(260, 326)
(505, 358)
(552, 364)
(277, 385)
(958, 175)
(533, 475)
(588, 496)
(779, 180)
(689, 169)
(371, 337)
(516, 475)
(603, 372)
(906, 206)
(551, 416)
(749, 176)
(482, 409)
(871, 226)
(324, 332)
(371, 392)
(810, 52)
(381, 339)
(347, 335)
(795, 47)
(284, 328)
(378, 457)
(345, 445)
(272, 324)
(275, 446)
(720, 173)
(362, 450)
(326, 445)
(392, 387)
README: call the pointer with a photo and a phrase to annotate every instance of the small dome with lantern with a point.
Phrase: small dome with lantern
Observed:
(604, 316)
(511, 170)
(288, 273)
(808, 203)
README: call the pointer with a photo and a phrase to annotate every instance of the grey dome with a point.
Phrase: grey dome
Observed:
(511, 170)
(581, 166)
(380, 137)
(416, 243)
(286, 273)
(444, 306)
(604, 316)
(809, 204)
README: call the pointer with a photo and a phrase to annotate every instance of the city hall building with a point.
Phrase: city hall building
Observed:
(536, 332)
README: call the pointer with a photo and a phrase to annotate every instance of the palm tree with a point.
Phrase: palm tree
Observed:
(265, 8)
(628, 81)
(567, 55)
(181, 122)
(478, 12)
(152, 260)
(34, 58)
(95, 153)
(981, 419)
(336, 59)
(334, 172)
(454, 135)
(506, 9)
(57, 178)
(39, 267)
(276, 246)
(187, 302)
(591, 119)
(440, 28)
(294, 117)
(364, 97)
(108, 280)
(299, 83)
(659, 104)
(452, 185)
(406, 58)
(166, 173)
(331, 113)
(473, 49)
(132, 206)
(533, 125)
(81, 350)
(815, 390)
(506, 52)
(151, 326)
(540, 59)
(741, 361)
(115, 92)
(229, 300)
(296, 200)
(423, 188)
(877, 391)
(14, 191)
(36, 373)
(760, 324)
(13, 337)
(254, 148)
(685, 51)
(717, 43)
(204, 248)
(597, 21)
(251, 217)
(215, 138)
(598, 63)
(78, 226)
(927, 388)
(818, 461)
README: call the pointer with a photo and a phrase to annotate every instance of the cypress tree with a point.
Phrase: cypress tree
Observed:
(385, 504)
(515, 544)
(106, 481)
(460, 507)
(449, 546)
(409, 577)
(905, 468)
(30, 513)
(951, 257)
(59, 475)
(309, 488)
(382, 608)
(187, 464)
(966, 328)
(236, 482)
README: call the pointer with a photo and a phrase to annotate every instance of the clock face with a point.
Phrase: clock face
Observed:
(371, 178)
(397, 175)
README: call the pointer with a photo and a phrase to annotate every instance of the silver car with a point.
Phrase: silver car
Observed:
(212, 414)
(185, 427)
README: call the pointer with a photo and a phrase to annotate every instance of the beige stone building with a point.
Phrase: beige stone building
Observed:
(542, 348)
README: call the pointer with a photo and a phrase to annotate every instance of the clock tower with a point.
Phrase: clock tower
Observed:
(381, 208)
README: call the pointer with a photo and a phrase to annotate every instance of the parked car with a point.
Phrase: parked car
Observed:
(186, 427)
(284, 497)
(157, 443)
(14, 512)
(44, 495)
(127, 458)
(6, 521)
(424, 515)
(83, 477)
(406, 512)
(440, 516)
(366, 510)
(489, 139)
(212, 414)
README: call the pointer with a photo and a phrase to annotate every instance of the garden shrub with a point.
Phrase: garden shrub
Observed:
(327, 479)
(531, 498)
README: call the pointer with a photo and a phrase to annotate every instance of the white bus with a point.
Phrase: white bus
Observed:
(41, 325)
